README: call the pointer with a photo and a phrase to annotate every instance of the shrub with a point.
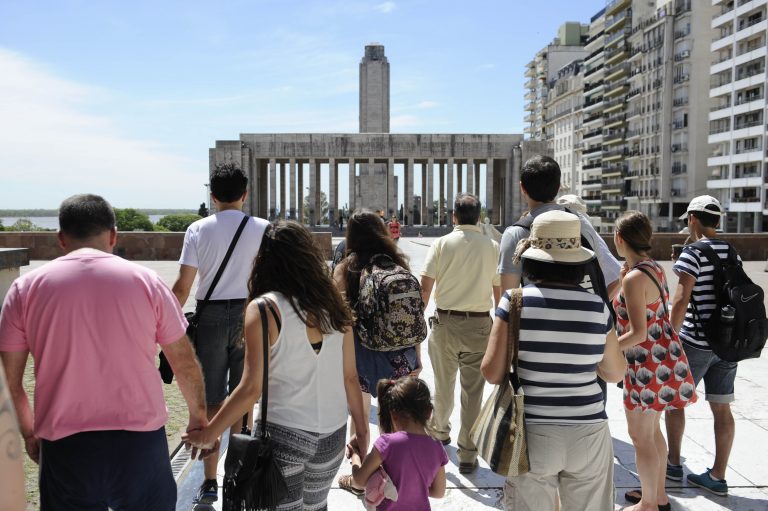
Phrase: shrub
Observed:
(177, 223)
(131, 220)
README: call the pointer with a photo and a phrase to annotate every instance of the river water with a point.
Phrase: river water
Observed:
(52, 222)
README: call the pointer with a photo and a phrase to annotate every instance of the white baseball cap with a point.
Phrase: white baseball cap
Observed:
(705, 204)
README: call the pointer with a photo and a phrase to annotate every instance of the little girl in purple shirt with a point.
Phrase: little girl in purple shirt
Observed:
(414, 461)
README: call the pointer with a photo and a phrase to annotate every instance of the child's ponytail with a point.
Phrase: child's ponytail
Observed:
(407, 396)
(385, 405)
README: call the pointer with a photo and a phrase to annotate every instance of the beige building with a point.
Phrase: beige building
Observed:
(738, 162)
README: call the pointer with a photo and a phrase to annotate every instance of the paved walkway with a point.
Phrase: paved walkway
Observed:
(748, 469)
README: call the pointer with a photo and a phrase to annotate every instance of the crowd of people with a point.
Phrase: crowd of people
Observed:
(92, 323)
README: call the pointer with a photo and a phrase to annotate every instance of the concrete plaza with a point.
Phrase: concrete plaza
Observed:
(748, 470)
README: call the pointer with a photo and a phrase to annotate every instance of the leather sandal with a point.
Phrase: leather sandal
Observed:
(346, 483)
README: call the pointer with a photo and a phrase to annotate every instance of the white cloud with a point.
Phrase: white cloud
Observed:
(427, 104)
(53, 147)
(385, 7)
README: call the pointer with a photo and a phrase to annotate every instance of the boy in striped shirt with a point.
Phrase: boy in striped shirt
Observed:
(696, 287)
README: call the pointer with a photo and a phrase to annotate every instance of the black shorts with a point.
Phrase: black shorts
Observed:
(122, 470)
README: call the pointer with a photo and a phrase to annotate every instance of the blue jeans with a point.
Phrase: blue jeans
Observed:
(220, 348)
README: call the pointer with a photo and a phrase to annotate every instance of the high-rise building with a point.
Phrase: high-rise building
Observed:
(566, 47)
(738, 167)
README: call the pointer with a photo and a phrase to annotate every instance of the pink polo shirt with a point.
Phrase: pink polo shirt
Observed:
(91, 321)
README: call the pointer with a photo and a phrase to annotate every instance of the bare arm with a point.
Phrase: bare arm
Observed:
(510, 281)
(12, 482)
(363, 470)
(681, 299)
(182, 358)
(183, 284)
(14, 363)
(354, 394)
(437, 488)
(496, 296)
(426, 288)
(494, 364)
(635, 300)
(613, 365)
(613, 288)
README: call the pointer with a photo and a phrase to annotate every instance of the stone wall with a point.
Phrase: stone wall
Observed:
(135, 246)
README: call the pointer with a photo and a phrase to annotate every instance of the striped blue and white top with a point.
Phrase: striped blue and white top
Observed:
(562, 339)
(696, 264)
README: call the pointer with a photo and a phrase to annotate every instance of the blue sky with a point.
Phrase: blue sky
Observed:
(125, 98)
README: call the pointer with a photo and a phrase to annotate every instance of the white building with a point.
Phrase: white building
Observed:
(737, 124)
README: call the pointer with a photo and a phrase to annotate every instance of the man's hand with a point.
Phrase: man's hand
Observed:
(32, 445)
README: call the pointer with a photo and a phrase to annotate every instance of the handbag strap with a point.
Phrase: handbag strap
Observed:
(265, 377)
(513, 333)
(223, 265)
(658, 286)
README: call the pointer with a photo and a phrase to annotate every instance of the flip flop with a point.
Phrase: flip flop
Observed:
(633, 496)
(345, 483)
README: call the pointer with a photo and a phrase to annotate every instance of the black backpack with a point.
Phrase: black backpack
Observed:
(593, 271)
(743, 337)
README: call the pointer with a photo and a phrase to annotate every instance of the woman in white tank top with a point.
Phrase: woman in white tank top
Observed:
(312, 374)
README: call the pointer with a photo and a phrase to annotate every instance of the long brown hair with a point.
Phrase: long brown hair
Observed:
(408, 396)
(289, 262)
(636, 230)
(367, 236)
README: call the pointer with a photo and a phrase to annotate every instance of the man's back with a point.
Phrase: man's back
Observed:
(91, 321)
(463, 264)
(206, 243)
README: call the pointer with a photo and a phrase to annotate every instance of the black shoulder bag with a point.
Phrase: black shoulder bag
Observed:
(252, 478)
(166, 371)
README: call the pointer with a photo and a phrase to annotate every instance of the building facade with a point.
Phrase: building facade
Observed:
(738, 162)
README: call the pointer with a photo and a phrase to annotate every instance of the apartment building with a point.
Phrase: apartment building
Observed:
(738, 166)
(566, 47)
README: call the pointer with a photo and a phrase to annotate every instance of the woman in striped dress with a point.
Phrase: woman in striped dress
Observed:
(566, 340)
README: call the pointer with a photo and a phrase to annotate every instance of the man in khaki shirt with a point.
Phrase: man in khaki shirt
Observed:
(461, 266)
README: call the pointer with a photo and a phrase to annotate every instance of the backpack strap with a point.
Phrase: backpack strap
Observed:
(717, 278)
(527, 221)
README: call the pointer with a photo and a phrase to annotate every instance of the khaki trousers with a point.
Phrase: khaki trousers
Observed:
(458, 343)
(576, 460)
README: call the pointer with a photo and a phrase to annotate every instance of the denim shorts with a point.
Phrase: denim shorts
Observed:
(220, 348)
(718, 375)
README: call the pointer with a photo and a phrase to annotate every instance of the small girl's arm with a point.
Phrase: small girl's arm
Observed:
(362, 471)
(437, 488)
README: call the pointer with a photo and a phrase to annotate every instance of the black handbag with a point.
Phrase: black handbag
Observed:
(193, 318)
(252, 478)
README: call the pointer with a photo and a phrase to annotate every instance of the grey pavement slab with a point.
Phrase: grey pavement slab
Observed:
(748, 468)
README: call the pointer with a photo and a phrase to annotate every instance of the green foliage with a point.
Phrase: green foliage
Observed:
(131, 220)
(25, 225)
(321, 218)
(1, 225)
(177, 223)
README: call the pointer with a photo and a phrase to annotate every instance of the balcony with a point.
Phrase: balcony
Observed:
(591, 150)
(679, 168)
(678, 125)
(685, 54)
(593, 133)
(592, 70)
(679, 148)
(617, 36)
(679, 34)
(679, 101)
(592, 86)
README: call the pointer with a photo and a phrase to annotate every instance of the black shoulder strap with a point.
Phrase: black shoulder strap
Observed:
(525, 222)
(223, 264)
(714, 259)
(265, 375)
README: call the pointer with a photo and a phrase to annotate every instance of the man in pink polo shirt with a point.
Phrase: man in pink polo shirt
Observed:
(92, 322)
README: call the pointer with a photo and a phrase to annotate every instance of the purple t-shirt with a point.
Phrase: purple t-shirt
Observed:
(412, 461)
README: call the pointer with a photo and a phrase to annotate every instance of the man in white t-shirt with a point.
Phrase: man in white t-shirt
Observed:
(219, 344)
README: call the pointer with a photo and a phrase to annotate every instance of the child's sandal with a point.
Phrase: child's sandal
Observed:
(346, 483)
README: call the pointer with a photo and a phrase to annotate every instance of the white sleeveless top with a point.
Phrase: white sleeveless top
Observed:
(306, 389)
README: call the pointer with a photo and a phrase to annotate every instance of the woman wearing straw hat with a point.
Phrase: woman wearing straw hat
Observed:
(566, 340)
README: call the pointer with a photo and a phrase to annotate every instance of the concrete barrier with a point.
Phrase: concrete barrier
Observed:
(134, 246)
(11, 261)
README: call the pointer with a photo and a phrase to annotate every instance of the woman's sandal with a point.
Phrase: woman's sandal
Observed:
(634, 496)
(346, 483)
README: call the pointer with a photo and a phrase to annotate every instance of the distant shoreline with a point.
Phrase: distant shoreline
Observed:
(32, 213)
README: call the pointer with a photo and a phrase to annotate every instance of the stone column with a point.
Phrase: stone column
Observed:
(408, 205)
(450, 195)
(477, 177)
(333, 193)
(470, 188)
(441, 193)
(510, 205)
(300, 189)
(292, 187)
(489, 206)
(282, 190)
(272, 188)
(423, 192)
(515, 198)
(314, 191)
(392, 204)
(351, 185)
(430, 209)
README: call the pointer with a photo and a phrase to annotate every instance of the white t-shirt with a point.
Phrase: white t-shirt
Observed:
(205, 245)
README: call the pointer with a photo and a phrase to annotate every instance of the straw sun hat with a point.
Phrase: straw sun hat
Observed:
(555, 238)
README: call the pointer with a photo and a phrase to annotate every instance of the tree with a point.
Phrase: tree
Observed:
(202, 211)
(131, 220)
(25, 225)
(322, 217)
(177, 223)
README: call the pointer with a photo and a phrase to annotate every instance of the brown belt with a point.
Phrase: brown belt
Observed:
(464, 313)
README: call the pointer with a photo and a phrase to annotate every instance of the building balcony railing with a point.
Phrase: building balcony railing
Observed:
(679, 148)
(593, 101)
(680, 101)
(615, 152)
(742, 125)
(749, 98)
(750, 73)
(593, 133)
(593, 118)
(616, 36)
(587, 182)
(592, 70)
(749, 22)
(592, 149)
(682, 55)
(679, 168)
(592, 86)
(613, 136)
(591, 166)
(678, 125)
(719, 129)
(679, 34)
(720, 107)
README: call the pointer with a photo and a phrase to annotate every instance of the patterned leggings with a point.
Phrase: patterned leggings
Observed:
(309, 462)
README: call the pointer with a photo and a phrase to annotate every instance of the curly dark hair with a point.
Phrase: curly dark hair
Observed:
(367, 236)
(289, 262)
(408, 396)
